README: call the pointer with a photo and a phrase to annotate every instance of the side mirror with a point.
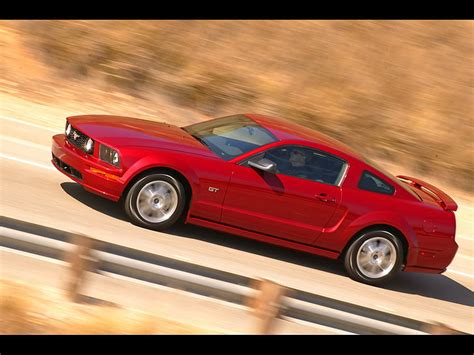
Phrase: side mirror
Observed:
(264, 165)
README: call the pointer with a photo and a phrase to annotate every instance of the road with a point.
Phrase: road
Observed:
(32, 190)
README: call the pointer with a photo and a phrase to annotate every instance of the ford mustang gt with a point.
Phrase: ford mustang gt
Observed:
(263, 178)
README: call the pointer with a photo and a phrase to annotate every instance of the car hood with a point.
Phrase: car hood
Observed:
(119, 131)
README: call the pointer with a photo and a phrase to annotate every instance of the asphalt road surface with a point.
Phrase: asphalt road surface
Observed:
(32, 190)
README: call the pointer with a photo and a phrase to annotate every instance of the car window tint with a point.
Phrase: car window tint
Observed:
(370, 182)
(307, 163)
(231, 136)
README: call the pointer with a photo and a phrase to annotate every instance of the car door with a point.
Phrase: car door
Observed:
(208, 196)
(295, 203)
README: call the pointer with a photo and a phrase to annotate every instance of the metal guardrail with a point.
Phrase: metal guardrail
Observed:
(198, 279)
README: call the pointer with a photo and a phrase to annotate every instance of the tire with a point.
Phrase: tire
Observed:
(374, 257)
(156, 201)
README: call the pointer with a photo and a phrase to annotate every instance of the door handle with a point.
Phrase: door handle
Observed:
(324, 197)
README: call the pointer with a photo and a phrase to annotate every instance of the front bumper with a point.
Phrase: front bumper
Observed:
(96, 176)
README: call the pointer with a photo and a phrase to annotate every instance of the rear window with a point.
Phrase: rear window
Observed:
(393, 179)
(370, 182)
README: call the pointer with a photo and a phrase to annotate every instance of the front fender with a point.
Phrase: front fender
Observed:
(162, 159)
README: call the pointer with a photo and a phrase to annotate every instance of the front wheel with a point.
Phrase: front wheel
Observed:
(374, 257)
(155, 201)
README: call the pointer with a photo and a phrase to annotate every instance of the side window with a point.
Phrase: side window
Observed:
(370, 182)
(306, 163)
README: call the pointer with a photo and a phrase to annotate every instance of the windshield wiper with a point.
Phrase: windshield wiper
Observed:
(201, 140)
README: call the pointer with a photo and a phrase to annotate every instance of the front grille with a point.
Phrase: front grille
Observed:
(77, 139)
(67, 168)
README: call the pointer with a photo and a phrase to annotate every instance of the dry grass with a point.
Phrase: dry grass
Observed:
(400, 91)
(28, 310)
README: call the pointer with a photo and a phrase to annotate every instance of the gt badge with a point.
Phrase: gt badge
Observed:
(213, 189)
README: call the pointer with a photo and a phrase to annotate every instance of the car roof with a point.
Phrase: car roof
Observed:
(288, 130)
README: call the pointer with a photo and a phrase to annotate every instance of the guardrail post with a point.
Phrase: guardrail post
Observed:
(80, 261)
(266, 305)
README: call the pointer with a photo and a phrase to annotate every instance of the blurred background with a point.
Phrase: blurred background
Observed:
(398, 91)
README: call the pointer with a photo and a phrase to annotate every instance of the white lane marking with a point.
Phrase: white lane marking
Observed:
(28, 124)
(385, 308)
(24, 161)
(180, 257)
(460, 273)
(25, 142)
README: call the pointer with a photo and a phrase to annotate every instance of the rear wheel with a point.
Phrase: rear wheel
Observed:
(374, 257)
(155, 201)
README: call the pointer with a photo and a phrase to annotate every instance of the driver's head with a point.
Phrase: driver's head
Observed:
(297, 158)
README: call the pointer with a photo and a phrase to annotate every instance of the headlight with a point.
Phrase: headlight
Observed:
(68, 129)
(89, 146)
(109, 155)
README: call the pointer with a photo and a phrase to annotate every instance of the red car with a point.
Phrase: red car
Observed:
(267, 179)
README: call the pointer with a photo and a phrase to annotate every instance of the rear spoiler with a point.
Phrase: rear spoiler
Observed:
(442, 198)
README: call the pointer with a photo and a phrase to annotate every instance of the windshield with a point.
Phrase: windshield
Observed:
(231, 136)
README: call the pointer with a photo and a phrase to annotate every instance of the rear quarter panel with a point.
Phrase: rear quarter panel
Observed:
(360, 209)
(428, 229)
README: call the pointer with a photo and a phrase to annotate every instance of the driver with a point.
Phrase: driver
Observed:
(297, 158)
(298, 164)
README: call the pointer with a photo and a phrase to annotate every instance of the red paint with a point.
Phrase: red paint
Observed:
(301, 214)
